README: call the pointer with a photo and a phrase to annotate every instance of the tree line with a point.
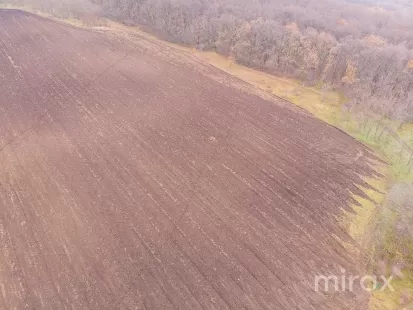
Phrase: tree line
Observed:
(363, 50)
(356, 47)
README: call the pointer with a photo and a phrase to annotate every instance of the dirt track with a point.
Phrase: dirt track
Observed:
(130, 179)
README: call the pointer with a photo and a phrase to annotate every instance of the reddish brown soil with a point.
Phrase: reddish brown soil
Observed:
(129, 179)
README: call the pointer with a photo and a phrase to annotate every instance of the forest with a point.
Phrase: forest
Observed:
(363, 48)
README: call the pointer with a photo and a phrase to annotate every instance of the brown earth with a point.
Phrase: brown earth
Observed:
(133, 176)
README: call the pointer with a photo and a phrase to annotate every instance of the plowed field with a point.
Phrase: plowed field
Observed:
(133, 176)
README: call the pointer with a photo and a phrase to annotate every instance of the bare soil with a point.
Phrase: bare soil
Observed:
(133, 176)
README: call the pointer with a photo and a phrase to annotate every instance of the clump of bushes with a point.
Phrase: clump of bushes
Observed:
(392, 232)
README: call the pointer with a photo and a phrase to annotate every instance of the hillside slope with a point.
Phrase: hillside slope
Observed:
(129, 178)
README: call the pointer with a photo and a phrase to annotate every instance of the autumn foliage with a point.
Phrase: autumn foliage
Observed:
(350, 76)
(336, 42)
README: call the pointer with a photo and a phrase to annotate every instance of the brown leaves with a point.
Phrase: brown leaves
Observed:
(342, 21)
(375, 40)
(350, 77)
(293, 27)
